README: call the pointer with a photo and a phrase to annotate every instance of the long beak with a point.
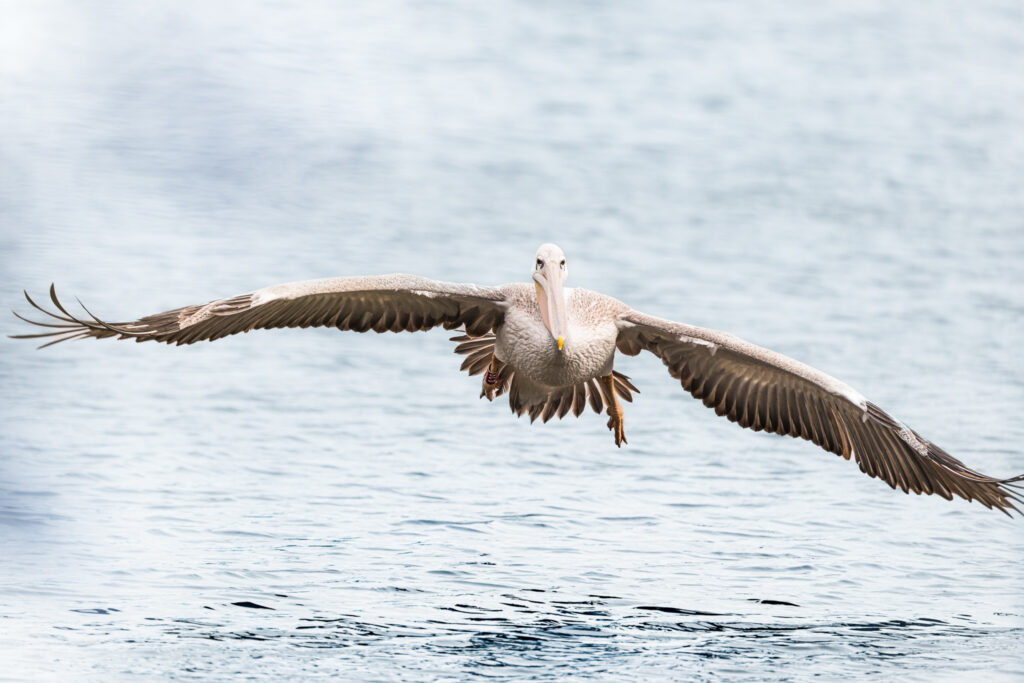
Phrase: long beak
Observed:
(551, 299)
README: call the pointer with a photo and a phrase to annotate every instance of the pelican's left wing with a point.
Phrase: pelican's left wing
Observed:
(379, 303)
(764, 390)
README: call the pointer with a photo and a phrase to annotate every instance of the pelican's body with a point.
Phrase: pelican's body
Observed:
(552, 350)
(589, 347)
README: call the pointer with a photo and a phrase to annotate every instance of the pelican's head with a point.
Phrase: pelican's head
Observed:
(549, 275)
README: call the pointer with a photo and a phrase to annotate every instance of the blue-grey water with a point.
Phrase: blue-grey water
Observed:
(842, 182)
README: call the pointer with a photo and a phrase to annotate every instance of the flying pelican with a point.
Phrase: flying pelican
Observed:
(551, 349)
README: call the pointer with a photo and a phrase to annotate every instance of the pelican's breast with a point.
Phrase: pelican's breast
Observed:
(526, 344)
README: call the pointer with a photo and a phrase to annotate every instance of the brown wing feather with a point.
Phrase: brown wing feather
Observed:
(382, 304)
(762, 390)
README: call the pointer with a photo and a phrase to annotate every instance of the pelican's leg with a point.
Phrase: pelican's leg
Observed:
(491, 379)
(616, 420)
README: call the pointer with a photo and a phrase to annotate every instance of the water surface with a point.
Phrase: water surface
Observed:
(840, 183)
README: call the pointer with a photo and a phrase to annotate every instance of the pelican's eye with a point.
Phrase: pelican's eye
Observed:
(540, 264)
(562, 263)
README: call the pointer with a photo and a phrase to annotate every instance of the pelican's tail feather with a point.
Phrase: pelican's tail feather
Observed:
(526, 396)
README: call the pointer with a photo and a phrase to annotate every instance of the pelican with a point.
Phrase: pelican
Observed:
(551, 349)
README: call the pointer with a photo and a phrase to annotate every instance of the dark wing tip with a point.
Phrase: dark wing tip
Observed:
(67, 326)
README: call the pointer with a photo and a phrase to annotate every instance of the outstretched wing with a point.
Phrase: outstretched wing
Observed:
(379, 303)
(764, 390)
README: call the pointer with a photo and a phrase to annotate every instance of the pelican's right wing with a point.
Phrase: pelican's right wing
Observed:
(761, 389)
(379, 303)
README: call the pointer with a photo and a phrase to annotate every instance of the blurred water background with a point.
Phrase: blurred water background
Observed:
(840, 181)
